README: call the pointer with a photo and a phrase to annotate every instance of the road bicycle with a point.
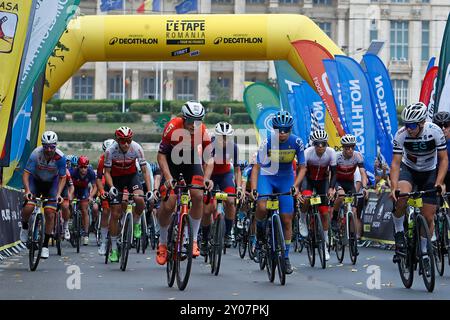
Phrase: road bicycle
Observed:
(36, 234)
(75, 225)
(441, 245)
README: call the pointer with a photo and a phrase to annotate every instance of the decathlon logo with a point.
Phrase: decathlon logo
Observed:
(234, 40)
(218, 40)
(130, 41)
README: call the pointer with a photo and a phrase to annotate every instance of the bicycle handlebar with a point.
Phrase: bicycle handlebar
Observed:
(416, 194)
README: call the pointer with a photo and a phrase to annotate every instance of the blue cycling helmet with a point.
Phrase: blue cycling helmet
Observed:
(243, 163)
(69, 158)
(74, 161)
(282, 120)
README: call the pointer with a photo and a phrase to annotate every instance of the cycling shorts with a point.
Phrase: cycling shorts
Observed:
(225, 182)
(423, 180)
(192, 174)
(82, 194)
(320, 186)
(44, 189)
(130, 182)
(274, 184)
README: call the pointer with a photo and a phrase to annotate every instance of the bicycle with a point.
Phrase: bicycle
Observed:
(142, 242)
(273, 247)
(297, 239)
(152, 230)
(241, 231)
(416, 227)
(346, 234)
(180, 237)
(441, 245)
(57, 231)
(315, 238)
(251, 231)
(36, 233)
(75, 226)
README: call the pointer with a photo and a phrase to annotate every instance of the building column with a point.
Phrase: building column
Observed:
(204, 77)
(341, 29)
(273, 6)
(384, 33)
(272, 74)
(239, 6)
(238, 79)
(415, 37)
(168, 85)
(205, 6)
(101, 78)
(66, 91)
(135, 84)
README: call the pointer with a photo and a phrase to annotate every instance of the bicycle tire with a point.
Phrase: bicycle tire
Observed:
(218, 244)
(78, 230)
(269, 254)
(339, 240)
(186, 254)
(171, 266)
(144, 235)
(421, 228)
(251, 244)
(352, 242)
(447, 236)
(438, 245)
(108, 248)
(406, 265)
(320, 241)
(243, 240)
(36, 239)
(127, 237)
(279, 249)
(58, 232)
(152, 231)
(310, 240)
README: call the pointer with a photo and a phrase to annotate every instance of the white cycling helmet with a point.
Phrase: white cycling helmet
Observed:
(223, 129)
(193, 110)
(107, 143)
(319, 136)
(348, 139)
(414, 113)
(49, 137)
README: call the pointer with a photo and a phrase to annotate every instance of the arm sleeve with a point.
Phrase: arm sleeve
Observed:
(398, 143)
(333, 176)
(108, 161)
(141, 156)
(333, 161)
(360, 161)
(165, 145)
(300, 152)
(100, 167)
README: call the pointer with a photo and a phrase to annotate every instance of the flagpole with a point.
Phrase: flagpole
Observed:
(123, 72)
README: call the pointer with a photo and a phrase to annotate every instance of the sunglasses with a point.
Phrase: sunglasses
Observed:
(124, 140)
(411, 126)
(350, 147)
(319, 144)
(283, 130)
(49, 146)
(83, 167)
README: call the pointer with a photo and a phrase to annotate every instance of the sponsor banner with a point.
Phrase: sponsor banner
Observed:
(428, 90)
(377, 218)
(132, 40)
(11, 202)
(444, 63)
(444, 102)
(287, 78)
(244, 40)
(185, 31)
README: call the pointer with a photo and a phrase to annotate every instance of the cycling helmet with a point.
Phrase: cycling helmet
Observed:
(74, 161)
(348, 139)
(49, 137)
(223, 129)
(83, 161)
(414, 113)
(282, 120)
(106, 144)
(193, 110)
(441, 117)
(243, 163)
(124, 133)
(319, 136)
(69, 158)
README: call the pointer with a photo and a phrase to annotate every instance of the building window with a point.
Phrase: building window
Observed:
(115, 87)
(83, 87)
(149, 88)
(425, 1)
(401, 92)
(399, 40)
(400, 1)
(185, 89)
(373, 30)
(326, 27)
(322, 2)
(255, 1)
(425, 40)
(222, 1)
(288, 1)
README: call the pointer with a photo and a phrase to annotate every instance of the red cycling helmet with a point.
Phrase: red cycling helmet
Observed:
(83, 161)
(124, 133)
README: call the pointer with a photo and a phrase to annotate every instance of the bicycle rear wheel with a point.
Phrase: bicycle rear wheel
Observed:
(423, 231)
(144, 235)
(251, 240)
(108, 248)
(268, 249)
(339, 240)
(243, 239)
(310, 240)
(127, 237)
(320, 241)
(438, 244)
(171, 266)
(446, 232)
(36, 240)
(352, 242)
(98, 228)
(184, 256)
(217, 244)
(58, 231)
(279, 249)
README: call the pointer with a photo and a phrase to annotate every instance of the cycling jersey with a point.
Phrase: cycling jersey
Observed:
(246, 174)
(123, 164)
(82, 182)
(318, 166)
(224, 156)
(100, 168)
(283, 155)
(141, 177)
(45, 170)
(420, 153)
(345, 168)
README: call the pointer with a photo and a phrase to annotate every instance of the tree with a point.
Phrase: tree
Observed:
(217, 91)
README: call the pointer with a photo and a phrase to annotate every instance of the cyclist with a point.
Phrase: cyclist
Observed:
(67, 194)
(103, 189)
(442, 119)
(185, 136)
(347, 163)
(44, 175)
(225, 153)
(414, 164)
(121, 173)
(321, 175)
(274, 172)
(74, 162)
(82, 177)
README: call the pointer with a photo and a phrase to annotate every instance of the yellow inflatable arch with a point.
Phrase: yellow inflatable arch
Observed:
(181, 38)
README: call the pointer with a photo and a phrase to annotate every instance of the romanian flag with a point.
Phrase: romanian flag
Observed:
(149, 6)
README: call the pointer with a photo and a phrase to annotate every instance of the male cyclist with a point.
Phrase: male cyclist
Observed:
(274, 173)
(67, 194)
(442, 119)
(121, 173)
(44, 175)
(321, 169)
(417, 147)
(181, 150)
(82, 177)
(225, 153)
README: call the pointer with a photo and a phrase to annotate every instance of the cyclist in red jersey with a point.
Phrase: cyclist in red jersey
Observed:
(67, 194)
(184, 143)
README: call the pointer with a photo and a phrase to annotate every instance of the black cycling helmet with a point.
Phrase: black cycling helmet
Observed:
(441, 118)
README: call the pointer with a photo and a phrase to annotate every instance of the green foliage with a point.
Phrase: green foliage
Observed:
(213, 117)
(241, 118)
(80, 117)
(99, 136)
(118, 117)
(89, 107)
(59, 115)
(49, 107)
(217, 92)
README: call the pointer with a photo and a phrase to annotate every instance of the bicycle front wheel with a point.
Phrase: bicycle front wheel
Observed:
(36, 240)
(58, 232)
(352, 242)
(78, 230)
(279, 249)
(127, 238)
(184, 255)
(438, 244)
(310, 240)
(446, 233)
(243, 239)
(217, 244)
(144, 235)
(426, 259)
(171, 266)
(320, 240)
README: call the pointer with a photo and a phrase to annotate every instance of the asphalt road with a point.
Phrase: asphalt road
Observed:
(238, 279)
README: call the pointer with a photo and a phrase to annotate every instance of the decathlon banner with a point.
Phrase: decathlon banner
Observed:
(354, 85)
(428, 90)
(261, 102)
(384, 102)
(444, 62)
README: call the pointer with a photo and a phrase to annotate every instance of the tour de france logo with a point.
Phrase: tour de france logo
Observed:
(8, 24)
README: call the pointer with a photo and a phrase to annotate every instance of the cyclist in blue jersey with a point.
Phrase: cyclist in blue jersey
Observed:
(273, 173)
(44, 175)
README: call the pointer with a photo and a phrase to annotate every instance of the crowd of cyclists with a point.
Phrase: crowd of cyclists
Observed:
(282, 164)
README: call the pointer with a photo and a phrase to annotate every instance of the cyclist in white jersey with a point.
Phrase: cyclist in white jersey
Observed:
(417, 146)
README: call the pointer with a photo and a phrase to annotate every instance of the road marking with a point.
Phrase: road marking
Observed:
(360, 294)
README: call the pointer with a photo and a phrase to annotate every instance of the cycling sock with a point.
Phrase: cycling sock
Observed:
(325, 236)
(228, 226)
(195, 223)
(205, 233)
(66, 224)
(46, 239)
(423, 244)
(24, 225)
(398, 223)
(163, 235)
(287, 245)
(104, 232)
(136, 220)
(114, 243)
(335, 215)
